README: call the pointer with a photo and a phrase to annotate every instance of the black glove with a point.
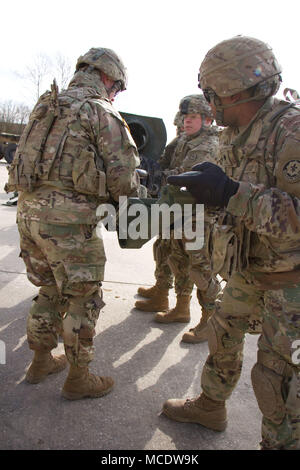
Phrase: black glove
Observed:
(207, 183)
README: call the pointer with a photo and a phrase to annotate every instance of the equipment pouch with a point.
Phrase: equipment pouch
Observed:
(225, 251)
(86, 177)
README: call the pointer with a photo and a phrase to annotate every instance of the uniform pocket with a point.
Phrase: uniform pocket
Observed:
(86, 177)
(225, 251)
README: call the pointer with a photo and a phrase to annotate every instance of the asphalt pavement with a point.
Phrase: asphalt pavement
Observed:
(147, 360)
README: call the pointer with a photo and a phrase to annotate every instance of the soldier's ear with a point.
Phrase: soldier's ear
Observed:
(108, 82)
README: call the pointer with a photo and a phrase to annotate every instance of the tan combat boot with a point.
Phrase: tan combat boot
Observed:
(198, 334)
(180, 313)
(44, 364)
(148, 292)
(158, 302)
(81, 383)
(202, 410)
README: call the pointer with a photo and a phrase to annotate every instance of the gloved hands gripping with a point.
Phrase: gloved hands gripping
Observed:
(208, 184)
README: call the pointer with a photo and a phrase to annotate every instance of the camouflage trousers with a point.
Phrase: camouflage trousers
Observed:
(67, 263)
(188, 267)
(163, 273)
(275, 377)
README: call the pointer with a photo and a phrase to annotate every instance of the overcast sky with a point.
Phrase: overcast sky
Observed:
(161, 42)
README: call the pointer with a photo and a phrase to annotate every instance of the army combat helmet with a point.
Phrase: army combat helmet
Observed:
(235, 65)
(195, 104)
(108, 62)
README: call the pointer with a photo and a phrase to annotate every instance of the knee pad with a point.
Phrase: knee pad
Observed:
(223, 339)
(267, 386)
(79, 327)
(47, 295)
(86, 307)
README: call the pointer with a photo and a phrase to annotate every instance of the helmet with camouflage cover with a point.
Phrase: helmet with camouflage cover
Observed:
(178, 122)
(178, 119)
(237, 64)
(195, 104)
(107, 61)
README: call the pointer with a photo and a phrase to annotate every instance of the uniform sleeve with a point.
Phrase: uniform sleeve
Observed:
(269, 212)
(206, 151)
(119, 154)
(276, 211)
(165, 159)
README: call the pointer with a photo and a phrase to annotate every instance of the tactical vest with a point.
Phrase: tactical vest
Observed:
(189, 146)
(250, 158)
(48, 152)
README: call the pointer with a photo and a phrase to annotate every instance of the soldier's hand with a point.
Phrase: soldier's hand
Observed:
(207, 183)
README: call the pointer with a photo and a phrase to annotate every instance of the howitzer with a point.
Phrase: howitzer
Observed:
(150, 136)
(155, 216)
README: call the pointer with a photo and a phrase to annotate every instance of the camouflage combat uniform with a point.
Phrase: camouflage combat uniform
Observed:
(192, 266)
(94, 162)
(256, 241)
(267, 154)
(161, 247)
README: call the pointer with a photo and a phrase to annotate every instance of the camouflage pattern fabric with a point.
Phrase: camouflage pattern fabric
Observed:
(179, 263)
(193, 149)
(68, 263)
(178, 122)
(165, 159)
(163, 273)
(237, 64)
(195, 104)
(188, 268)
(270, 208)
(71, 191)
(57, 220)
(193, 267)
(281, 420)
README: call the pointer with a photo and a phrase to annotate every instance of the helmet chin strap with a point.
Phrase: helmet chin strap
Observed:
(220, 108)
(264, 90)
(116, 87)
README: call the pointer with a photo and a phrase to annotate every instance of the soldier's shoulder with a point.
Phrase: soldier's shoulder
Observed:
(207, 139)
(79, 96)
(181, 138)
(286, 115)
(107, 107)
(213, 131)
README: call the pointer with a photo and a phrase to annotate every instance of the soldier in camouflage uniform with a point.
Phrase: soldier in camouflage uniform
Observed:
(260, 193)
(161, 247)
(198, 143)
(75, 153)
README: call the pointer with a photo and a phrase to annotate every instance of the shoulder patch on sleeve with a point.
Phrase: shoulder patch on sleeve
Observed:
(291, 171)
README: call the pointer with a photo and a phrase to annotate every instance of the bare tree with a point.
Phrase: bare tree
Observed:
(41, 72)
(8, 111)
(37, 75)
(13, 113)
(62, 70)
(23, 112)
(38, 72)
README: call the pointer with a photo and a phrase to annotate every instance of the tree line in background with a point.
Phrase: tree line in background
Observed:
(36, 79)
